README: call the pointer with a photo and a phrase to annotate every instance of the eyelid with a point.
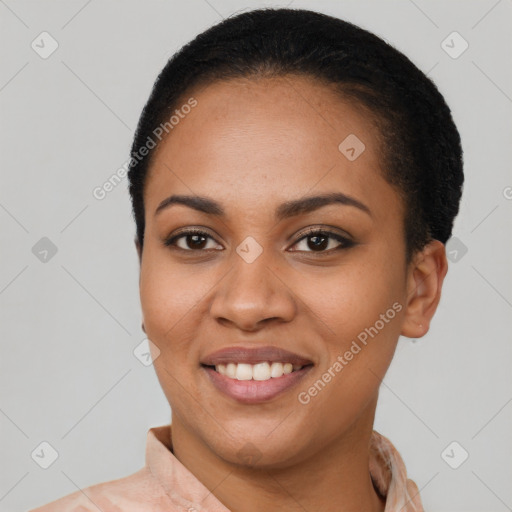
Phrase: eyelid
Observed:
(344, 239)
(170, 241)
(327, 230)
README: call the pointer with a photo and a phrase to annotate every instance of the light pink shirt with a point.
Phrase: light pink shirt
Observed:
(165, 485)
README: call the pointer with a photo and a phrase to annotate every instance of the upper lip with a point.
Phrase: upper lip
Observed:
(253, 356)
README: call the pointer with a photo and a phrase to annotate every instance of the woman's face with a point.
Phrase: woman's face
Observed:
(256, 281)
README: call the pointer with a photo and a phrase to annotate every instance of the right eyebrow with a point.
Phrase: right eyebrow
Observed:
(199, 203)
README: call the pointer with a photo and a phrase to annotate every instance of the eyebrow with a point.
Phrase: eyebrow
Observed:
(283, 211)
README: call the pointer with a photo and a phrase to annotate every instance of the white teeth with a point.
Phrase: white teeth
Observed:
(230, 370)
(259, 371)
(276, 370)
(243, 371)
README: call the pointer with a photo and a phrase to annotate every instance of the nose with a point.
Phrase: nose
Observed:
(253, 295)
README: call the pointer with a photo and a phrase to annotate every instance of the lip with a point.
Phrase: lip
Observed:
(253, 356)
(255, 391)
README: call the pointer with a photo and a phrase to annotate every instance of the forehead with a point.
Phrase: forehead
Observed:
(252, 139)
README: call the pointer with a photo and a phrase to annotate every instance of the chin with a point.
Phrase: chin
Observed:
(255, 444)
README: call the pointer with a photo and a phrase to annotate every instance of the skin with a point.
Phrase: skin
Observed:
(252, 145)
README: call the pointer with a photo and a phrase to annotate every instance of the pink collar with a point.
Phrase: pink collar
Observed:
(387, 470)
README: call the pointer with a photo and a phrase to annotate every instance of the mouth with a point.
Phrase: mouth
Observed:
(255, 375)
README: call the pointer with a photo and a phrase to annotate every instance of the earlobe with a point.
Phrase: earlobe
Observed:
(139, 252)
(138, 247)
(424, 283)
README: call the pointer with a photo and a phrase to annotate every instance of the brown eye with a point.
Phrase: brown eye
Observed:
(192, 240)
(322, 241)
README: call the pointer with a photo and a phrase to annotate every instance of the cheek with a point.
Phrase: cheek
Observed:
(363, 310)
(353, 298)
(169, 300)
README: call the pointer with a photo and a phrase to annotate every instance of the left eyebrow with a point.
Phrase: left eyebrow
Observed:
(311, 203)
(283, 211)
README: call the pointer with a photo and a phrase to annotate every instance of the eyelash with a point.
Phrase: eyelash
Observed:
(345, 242)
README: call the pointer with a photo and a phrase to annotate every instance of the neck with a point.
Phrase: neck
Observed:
(336, 478)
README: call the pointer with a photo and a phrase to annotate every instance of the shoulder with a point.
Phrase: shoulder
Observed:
(138, 492)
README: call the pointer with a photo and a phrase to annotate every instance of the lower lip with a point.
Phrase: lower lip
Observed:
(255, 391)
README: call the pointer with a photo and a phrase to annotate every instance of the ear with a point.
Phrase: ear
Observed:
(139, 249)
(425, 278)
(139, 252)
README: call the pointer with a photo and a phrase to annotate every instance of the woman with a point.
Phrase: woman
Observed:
(294, 180)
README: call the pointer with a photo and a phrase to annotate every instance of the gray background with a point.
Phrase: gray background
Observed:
(69, 325)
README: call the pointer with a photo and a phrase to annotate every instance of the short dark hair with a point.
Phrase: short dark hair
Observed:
(421, 148)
